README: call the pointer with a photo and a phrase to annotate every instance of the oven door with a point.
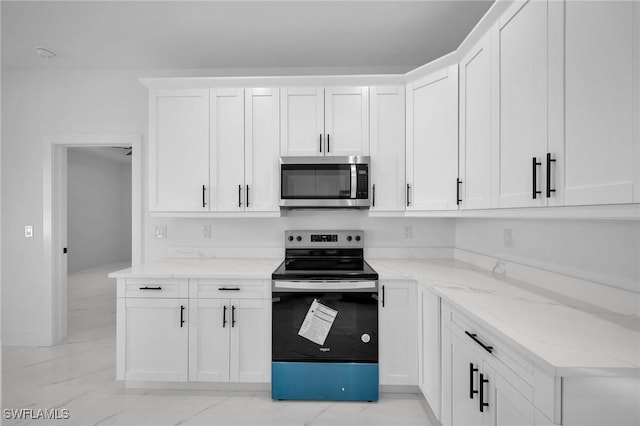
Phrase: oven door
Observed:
(350, 336)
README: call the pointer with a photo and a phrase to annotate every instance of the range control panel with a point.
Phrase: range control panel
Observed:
(306, 238)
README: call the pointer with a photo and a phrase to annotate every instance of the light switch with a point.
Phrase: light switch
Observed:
(28, 231)
(206, 231)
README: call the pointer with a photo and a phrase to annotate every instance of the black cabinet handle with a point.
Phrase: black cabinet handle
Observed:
(549, 161)
(534, 188)
(229, 288)
(321, 142)
(474, 337)
(233, 316)
(408, 200)
(181, 316)
(151, 288)
(383, 296)
(328, 143)
(224, 316)
(458, 199)
(481, 399)
(373, 188)
(471, 371)
(204, 202)
(239, 196)
(247, 197)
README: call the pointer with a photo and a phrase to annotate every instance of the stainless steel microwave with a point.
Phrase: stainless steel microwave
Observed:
(324, 182)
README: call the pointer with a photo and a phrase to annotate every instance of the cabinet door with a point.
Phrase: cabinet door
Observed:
(346, 118)
(521, 62)
(302, 121)
(465, 377)
(398, 333)
(507, 406)
(262, 148)
(153, 339)
(227, 149)
(599, 162)
(432, 141)
(475, 126)
(209, 340)
(429, 350)
(178, 150)
(250, 340)
(387, 148)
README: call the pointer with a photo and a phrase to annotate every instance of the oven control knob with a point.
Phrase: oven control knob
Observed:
(349, 238)
(298, 238)
(365, 338)
(357, 237)
(290, 237)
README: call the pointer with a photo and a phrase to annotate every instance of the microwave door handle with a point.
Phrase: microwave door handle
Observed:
(354, 181)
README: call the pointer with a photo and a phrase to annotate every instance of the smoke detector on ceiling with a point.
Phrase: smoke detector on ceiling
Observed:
(43, 52)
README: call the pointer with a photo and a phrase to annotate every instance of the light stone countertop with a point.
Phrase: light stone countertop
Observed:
(248, 268)
(562, 338)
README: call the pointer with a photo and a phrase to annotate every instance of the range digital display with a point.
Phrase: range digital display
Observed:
(324, 238)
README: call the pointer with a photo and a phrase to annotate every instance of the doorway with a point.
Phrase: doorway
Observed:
(98, 236)
(56, 175)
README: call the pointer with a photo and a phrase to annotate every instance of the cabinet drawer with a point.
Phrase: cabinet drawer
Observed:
(233, 289)
(480, 337)
(153, 288)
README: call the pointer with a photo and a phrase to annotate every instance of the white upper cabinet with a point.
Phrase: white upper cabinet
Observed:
(325, 121)
(521, 64)
(602, 140)
(387, 174)
(432, 141)
(227, 149)
(346, 120)
(261, 149)
(302, 121)
(475, 126)
(179, 150)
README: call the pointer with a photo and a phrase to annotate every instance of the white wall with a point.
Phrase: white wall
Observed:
(99, 209)
(603, 251)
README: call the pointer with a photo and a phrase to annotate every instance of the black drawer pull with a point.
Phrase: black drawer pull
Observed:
(408, 199)
(224, 316)
(471, 371)
(481, 399)
(549, 161)
(181, 316)
(204, 202)
(374, 194)
(458, 199)
(383, 296)
(233, 316)
(474, 337)
(151, 288)
(534, 168)
(229, 288)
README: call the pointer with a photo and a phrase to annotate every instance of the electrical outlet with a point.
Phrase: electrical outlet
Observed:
(28, 231)
(408, 231)
(206, 231)
(160, 231)
(508, 238)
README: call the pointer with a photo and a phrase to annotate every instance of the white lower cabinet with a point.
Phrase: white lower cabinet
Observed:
(229, 340)
(398, 333)
(429, 344)
(152, 337)
(203, 337)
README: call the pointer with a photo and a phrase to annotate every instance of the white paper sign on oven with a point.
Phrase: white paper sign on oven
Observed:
(317, 323)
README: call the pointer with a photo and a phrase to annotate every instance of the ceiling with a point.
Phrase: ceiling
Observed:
(234, 34)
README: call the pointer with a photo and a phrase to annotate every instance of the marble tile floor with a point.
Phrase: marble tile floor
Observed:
(78, 375)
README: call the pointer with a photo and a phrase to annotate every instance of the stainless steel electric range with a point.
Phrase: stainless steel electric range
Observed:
(325, 319)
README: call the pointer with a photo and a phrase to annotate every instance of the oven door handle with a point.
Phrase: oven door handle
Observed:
(323, 285)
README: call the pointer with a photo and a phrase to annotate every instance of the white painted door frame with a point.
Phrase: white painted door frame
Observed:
(54, 174)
